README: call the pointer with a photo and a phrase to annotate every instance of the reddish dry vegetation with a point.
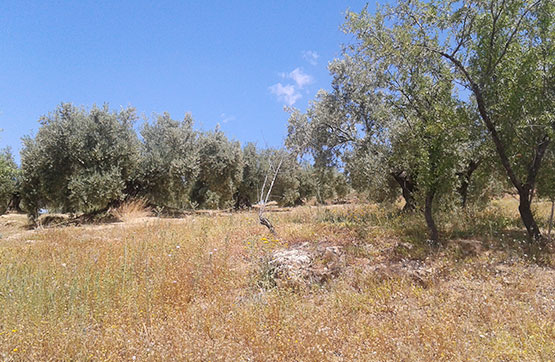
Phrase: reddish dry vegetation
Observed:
(210, 287)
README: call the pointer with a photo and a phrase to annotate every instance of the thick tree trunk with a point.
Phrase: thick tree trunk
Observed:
(463, 192)
(408, 186)
(428, 214)
(242, 201)
(15, 203)
(465, 178)
(527, 216)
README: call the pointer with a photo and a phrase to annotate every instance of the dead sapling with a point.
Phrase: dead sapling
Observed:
(264, 200)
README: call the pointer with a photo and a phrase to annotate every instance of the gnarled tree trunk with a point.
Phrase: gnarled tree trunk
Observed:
(408, 187)
(465, 178)
(526, 215)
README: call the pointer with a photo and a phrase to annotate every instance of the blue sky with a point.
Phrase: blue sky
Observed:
(233, 63)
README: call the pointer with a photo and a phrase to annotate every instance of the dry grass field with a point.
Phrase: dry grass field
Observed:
(206, 288)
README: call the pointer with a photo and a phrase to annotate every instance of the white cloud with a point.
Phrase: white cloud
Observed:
(227, 118)
(311, 56)
(286, 93)
(290, 93)
(300, 77)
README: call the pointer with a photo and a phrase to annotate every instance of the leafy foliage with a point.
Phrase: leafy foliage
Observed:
(8, 174)
(501, 53)
(388, 114)
(417, 92)
(80, 161)
(546, 179)
(220, 171)
(169, 161)
(254, 171)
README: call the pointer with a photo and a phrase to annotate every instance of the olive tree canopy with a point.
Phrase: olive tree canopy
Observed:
(80, 160)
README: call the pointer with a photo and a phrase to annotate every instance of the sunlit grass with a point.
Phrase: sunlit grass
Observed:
(190, 289)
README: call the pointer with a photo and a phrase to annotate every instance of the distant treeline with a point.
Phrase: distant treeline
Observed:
(86, 161)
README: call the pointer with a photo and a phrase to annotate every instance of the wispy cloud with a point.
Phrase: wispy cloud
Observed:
(290, 93)
(310, 56)
(226, 118)
(286, 93)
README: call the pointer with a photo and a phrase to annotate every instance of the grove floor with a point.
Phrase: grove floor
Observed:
(199, 288)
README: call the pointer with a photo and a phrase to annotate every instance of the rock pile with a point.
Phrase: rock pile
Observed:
(305, 264)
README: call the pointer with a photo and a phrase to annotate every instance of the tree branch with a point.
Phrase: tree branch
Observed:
(513, 33)
(486, 118)
(539, 152)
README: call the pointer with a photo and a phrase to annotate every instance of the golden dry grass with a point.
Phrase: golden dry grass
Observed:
(190, 289)
(12, 224)
(131, 210)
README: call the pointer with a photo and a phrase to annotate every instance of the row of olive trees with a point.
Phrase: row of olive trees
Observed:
(8, 180)
(86, 161)
(441, 98)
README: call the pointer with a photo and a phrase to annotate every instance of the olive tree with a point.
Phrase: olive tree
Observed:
(8, 175)
(254, 172)
(169, 161)
(501, 53)
(347, 126)
(393, 113)
(220, 170)
(286, 190)
(79, 161)
(328, 183)
(293, 184)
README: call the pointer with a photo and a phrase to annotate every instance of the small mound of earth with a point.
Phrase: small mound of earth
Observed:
(53, 219)
(306, 264)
